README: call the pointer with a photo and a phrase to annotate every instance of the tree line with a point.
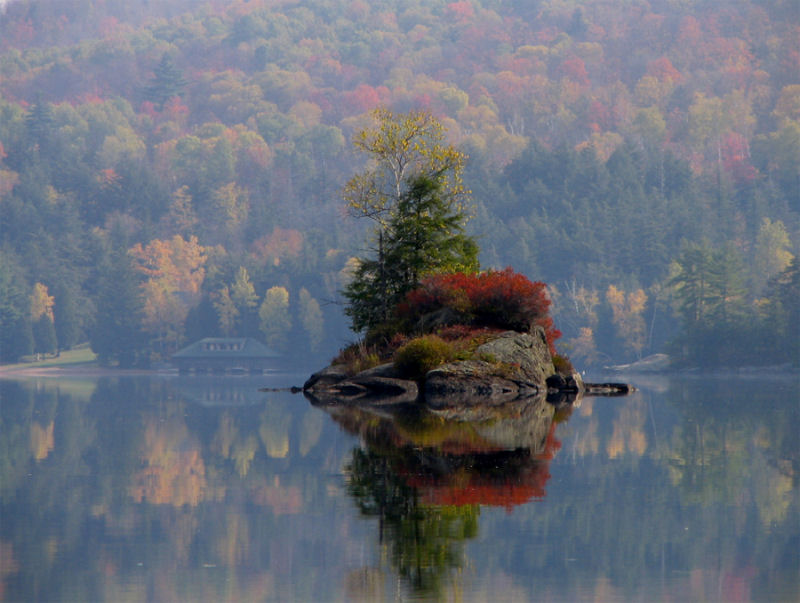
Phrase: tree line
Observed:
(603, 144)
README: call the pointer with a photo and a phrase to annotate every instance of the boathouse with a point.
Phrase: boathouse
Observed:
(225, 355)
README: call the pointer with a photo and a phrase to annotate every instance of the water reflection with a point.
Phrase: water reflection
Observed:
(162, 489)
(181, 489)
(425, 476)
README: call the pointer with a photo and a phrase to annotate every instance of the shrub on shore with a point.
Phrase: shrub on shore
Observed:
(421, 355)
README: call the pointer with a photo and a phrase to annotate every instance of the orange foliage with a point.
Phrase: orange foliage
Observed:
(175, 273)
(283, 500)
(173, 470)
(281, 244)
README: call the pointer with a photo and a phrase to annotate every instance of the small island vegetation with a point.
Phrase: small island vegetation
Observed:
(419, 297)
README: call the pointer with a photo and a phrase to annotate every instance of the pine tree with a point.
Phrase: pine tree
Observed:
(116, 335)
(167, 82)
(423, 236)
(413, 192)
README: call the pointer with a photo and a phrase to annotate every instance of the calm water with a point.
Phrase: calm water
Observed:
(205, 489)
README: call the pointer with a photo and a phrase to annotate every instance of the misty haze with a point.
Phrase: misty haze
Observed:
(203, 203)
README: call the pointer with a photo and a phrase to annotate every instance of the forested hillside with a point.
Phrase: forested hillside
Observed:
(171, 169)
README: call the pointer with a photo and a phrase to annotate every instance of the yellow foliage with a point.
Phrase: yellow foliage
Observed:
(628, 435)
(583, 346)
(400, 146)
(627, 316)
(175, 272)
(243, 454)
(274, 433)
(773, 494)
(41, 302)
(41, 440)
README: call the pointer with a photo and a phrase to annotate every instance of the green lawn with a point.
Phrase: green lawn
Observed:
(79, 355)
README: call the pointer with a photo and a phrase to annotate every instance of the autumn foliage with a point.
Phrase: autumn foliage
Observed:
(501, 299)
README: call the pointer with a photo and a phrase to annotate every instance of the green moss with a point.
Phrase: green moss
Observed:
(418, 356)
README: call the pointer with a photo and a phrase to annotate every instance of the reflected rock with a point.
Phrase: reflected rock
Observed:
(461, 454)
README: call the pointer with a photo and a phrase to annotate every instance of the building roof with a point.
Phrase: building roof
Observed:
(226, 348)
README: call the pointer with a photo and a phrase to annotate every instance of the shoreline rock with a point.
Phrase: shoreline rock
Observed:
(511, 367)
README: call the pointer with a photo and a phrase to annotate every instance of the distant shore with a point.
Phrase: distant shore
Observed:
(88, 370)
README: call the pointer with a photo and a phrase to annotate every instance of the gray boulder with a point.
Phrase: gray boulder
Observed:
(523, 356)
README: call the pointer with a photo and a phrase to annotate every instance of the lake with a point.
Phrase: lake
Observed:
(168, 488)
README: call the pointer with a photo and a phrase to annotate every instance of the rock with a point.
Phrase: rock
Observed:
(565, 383)
(378, 384)
(327, 377)
(608, 389)
(511, 367)
(471, 382)
(524, 356)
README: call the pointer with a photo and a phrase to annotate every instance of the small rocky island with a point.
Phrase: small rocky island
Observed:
(437, 329)
(503, 367)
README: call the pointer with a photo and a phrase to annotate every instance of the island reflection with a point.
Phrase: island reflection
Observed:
(425, 474)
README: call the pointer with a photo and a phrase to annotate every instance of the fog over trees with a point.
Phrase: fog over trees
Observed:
(171, 170)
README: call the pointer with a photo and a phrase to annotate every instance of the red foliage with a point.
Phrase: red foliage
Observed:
(502, 299)
(460, 11)
(363, 98)
(507, 494)
(575, 69)
(736, 158)
(662, 69)
(175, 109)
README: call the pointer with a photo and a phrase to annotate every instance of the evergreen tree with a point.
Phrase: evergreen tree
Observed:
(424, 236)
(413, 192)
(67, 320)
(116, 335)
(16, 335)
(17, 339)
(782, 320)
(44, 335)
(167, 82)
(39, 124)
(201, 321)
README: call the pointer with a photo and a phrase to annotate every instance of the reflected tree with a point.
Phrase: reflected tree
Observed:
(426, 541)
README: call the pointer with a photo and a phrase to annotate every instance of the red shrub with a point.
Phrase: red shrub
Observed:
(502, 299)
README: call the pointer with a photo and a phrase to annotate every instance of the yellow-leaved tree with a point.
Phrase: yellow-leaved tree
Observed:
(400, 147)
(43, 320)
(174, 271)
(627, 316)
(275, 321)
